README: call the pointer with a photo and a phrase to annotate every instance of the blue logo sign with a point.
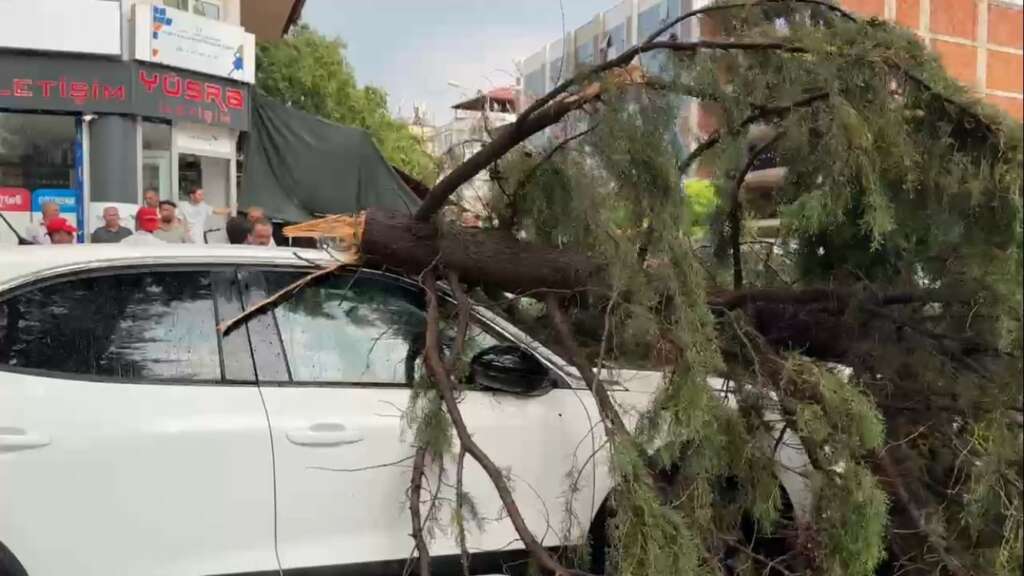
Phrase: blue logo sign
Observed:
(160, 21)
(238, 64)
(65, 198)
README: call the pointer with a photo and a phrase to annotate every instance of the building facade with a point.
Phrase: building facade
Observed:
(979, 41)
(474, 120)
(103, 99)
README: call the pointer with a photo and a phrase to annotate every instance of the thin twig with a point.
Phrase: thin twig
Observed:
(460, 510)
(281, 296)
(614, 425)
(416, 486)
(312, 263)
(521, 185)
(761, 112)
(362, 468)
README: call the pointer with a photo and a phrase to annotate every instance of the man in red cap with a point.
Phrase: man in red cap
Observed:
(60, 231)
(147, 220)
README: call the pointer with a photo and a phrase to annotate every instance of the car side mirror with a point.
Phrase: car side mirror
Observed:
(510, 368)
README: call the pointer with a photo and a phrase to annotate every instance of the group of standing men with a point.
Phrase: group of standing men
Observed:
(157, 222)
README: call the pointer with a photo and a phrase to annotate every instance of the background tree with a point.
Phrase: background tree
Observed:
(309, 71)
(883, 326)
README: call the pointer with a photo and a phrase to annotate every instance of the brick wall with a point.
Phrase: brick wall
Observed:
(979, 41)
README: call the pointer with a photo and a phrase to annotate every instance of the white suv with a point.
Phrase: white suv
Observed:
(135, 440)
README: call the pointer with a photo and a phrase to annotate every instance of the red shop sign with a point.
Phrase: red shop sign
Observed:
(15, 200)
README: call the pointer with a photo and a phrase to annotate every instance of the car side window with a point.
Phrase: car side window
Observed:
(132, 325)
(350, 328)
(358, 328)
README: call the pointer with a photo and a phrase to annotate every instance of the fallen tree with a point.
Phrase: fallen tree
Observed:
(884, 324)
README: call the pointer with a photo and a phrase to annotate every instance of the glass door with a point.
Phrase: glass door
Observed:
(156, 173)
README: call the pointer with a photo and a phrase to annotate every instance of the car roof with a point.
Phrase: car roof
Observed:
(20, 264)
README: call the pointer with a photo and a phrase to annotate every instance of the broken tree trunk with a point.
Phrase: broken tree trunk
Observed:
(480, 257)
(810, 319)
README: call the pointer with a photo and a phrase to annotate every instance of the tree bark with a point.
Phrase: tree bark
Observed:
(479, 257)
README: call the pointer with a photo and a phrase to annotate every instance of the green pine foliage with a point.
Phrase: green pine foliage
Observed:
(898, 180)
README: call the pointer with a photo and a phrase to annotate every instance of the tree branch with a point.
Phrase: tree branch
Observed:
(891, 475)
(435, 366)
(521, 185)
(762, 112)
(736, 211)
(511, 135)
(627, 56)
(840, 297)
(460, 536)
(462, 323)
(415, 489)
(614, 425)
(282, 295)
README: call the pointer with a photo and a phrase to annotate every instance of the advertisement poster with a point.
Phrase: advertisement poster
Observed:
(66, 199)
(16, 207)
(179, 39)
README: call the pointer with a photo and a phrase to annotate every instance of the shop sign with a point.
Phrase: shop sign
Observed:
(64, 84)
(47, 83)
(15, 200)
(188, 41)
(188, 97)
(65, 198)
(15, 204)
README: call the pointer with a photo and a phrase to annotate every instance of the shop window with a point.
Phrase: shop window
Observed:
(190, 174)
(210, 174)
(37, 151)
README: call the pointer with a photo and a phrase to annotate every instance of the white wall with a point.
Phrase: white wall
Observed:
(215, 180)
(231, 10)
(231, 14)
(75, 26)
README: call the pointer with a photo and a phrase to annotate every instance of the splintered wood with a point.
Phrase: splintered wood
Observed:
(343, 230)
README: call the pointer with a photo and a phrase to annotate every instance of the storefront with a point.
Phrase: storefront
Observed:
(93, 132)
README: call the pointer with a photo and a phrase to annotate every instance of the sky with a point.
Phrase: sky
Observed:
(413, 48)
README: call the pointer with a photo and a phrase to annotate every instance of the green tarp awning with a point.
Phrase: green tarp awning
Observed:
(299, 166)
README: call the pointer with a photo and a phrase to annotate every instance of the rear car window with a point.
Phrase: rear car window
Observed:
(134, 326)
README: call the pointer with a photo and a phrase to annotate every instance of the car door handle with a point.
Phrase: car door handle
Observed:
(14, 439)
(324, 434)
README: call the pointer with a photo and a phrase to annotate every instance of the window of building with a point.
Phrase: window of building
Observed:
(615, 42)
(585, 54)
(533, 84)
(207, 8)
(358, 329)
(557, 71)
(653, 18)
(37, 151)
(133, 326)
